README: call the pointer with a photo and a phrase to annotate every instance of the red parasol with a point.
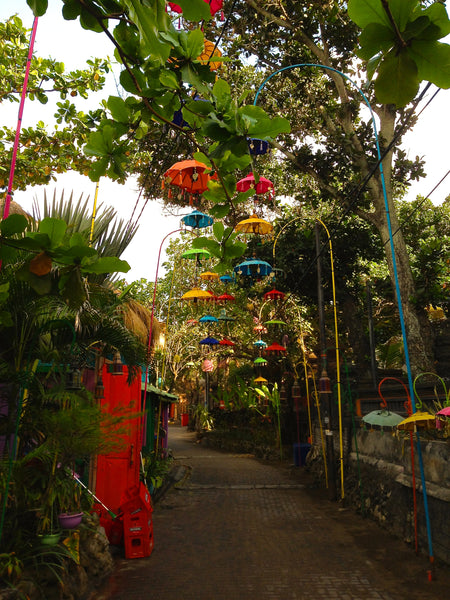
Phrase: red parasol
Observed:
(275, 348)
(214, 6)
(263, 186)
(190, 176)
(226, 342)
(225, 298)
(274, 295)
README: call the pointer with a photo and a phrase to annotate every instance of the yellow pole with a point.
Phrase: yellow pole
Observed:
(94, 212)
(338, 367)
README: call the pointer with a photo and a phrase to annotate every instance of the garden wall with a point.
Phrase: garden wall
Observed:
(384, 489)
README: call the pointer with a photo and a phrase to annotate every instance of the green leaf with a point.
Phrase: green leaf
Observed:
(39, 7)
(219, 211)
(169, 79)
(195, 10)
(106, 264)
(218, 229)
(202, 158)
(118, 109)
(401, 11)
(74, 255)
(195, 43)
(54, 228)
(149, 18)
(13, 225)
(363, 12)
(222, 93)
(71, 10)
(375, 37)
(73, 289)
(397, 82)
(257, 123)
(432, 60)
(439, 17)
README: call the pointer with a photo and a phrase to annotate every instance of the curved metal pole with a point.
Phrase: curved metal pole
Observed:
(394, 264)
(151, 330)
(338, 365)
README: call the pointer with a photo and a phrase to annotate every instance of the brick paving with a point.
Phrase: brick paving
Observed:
(237, 529)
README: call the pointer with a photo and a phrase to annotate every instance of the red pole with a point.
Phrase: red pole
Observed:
(19, 122)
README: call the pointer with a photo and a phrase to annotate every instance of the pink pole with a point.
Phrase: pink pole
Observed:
(150, 335)
(19, 122)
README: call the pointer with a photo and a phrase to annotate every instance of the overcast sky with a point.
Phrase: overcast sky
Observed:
(69, 43)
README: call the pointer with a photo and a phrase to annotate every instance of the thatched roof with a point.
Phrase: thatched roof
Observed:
(14, 209)
(137, 318)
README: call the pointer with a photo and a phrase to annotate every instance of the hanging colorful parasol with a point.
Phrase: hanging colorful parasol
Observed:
(253, 268)
(209, 341)
(382, 418)
(209, 276)
(191, 177)
(210, 55)
(226, 279)
(257, 147)
(260, 344)
(418, 420)
(197, 220)
(225, 298)
(275, 348)
(444, 412)
(264, 186)
(224, 317)
(196, 254)
(260, 362)
(192, 322)
(214, 6)
(197, 294)
(260, 380)
(274, 295)
(254, 225)
(226, 342)
(208, 319)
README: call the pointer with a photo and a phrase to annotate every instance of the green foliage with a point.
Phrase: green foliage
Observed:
(400, 42)
(156, 470)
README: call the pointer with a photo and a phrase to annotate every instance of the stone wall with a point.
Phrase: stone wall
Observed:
(384, 490)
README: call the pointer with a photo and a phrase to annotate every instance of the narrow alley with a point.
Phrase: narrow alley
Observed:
(234, 528)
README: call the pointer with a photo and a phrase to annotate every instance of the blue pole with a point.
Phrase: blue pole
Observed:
(394, 267)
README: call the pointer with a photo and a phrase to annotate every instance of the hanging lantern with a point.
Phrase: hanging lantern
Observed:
(296, 395)
(324, 383)
(99, 391)
(274, 295)
(197, 220)
(264, 186)
(258, 147)
(253, 268)
(73, 379)
(254, 225)
(117, 365)
(283, 394)
(260, 329)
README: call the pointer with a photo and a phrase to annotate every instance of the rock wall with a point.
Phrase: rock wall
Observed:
(379, 483)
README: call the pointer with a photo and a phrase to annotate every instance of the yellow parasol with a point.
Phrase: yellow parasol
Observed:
(418, 420)
(254, 225)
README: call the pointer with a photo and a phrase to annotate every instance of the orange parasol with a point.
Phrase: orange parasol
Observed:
(209, 55)
(190, 176)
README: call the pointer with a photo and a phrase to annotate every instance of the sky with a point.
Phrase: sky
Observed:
(69, 43)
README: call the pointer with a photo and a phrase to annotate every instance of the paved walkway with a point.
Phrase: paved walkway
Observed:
(237, 529)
